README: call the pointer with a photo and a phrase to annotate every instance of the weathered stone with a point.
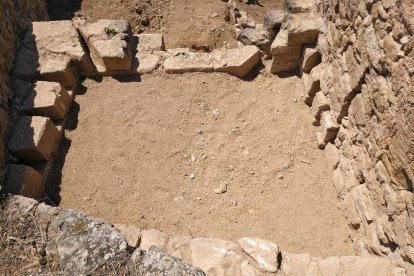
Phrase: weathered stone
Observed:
(300, 6)
(219, 257)
(329, 126)
(310, 58)
(280, 46)
(48, 99)
(83, 244)
(33, 139)
(313, 83)
(283, 66)
(150, 42)
(109, 42)
(131, 234)
(256, 36)
(303, 29)
(320, 103)
(147, 62)
(273, 21)
(157, 262)
(153, 237)
(355, 70)
(237, 62)
(295, 264)
(52, 51)
(264, 252)
(24, 180)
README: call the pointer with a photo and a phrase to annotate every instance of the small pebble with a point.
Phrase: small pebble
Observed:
(192, 176)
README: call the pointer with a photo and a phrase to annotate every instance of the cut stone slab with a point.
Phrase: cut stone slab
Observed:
(109, 42)
(131, 233)
(157, 262)
(237, 62)
(48, 99)
(150, 42)
(52, 51)
(24, 180)
(279, 66)
(280, 46)
(147, 62)
(264, 252)
(153, 237)
(310, 58)
(303, 29)
(33, 139)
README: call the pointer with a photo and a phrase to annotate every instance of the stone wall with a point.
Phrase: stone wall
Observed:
(15, 17)
(367, 76)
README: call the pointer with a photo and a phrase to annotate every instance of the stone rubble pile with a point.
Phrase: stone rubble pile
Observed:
(83, 244)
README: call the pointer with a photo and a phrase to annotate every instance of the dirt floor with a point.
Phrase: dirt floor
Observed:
(154, 153)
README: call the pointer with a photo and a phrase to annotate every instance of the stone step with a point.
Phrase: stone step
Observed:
(52, 51)
(24, 180)
(33, 139)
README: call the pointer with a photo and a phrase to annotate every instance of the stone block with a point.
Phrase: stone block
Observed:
(280, 46)
(309, 59)
(264, 252)
(153, 237)
(303, 29)
(131, 234)
(273, 21)
(24, 180)
(109, 43)
(150, 42)
(52, 51)
(312, 83)
(329, 127)
(147, 62)
(239, 61)
(280, 66)
(33, 139)
(48, 99)
(256, 36)
(355, 70)
(320, 103)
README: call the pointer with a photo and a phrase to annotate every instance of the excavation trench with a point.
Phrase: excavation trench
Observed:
(203, 155)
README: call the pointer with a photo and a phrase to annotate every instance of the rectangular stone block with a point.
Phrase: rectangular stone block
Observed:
(33, 139)
(330, 128)
(278, 67)
(320, 103)
(24, 180)
(310, 58)
(303, 29)
(280, 46)
(150, 42)
(48, 99)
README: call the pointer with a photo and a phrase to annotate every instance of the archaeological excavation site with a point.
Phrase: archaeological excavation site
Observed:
(207, 137)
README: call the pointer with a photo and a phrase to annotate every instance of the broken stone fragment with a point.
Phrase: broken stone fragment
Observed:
(153, 237)
(150, 42)
(320, 103)
(33, 139)
(147, 62)
(329, 127)
(264, 252)
(256, 36)
(48, 99)
(52, 51)
(310, 58)
(131, 234)
(157, 262)
(273, 21)
(24, 180)
(300, 6)
(109, 43)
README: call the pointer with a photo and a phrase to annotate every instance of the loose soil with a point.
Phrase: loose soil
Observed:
(138, 145)
(152, 151)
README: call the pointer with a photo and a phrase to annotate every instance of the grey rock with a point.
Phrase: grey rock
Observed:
(83, 244)
(273, 21)
(157, 262)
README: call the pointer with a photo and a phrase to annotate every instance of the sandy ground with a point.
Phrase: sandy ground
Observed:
(152, 153)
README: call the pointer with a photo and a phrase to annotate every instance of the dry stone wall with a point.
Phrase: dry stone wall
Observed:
(15, 17)
(365, 85)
